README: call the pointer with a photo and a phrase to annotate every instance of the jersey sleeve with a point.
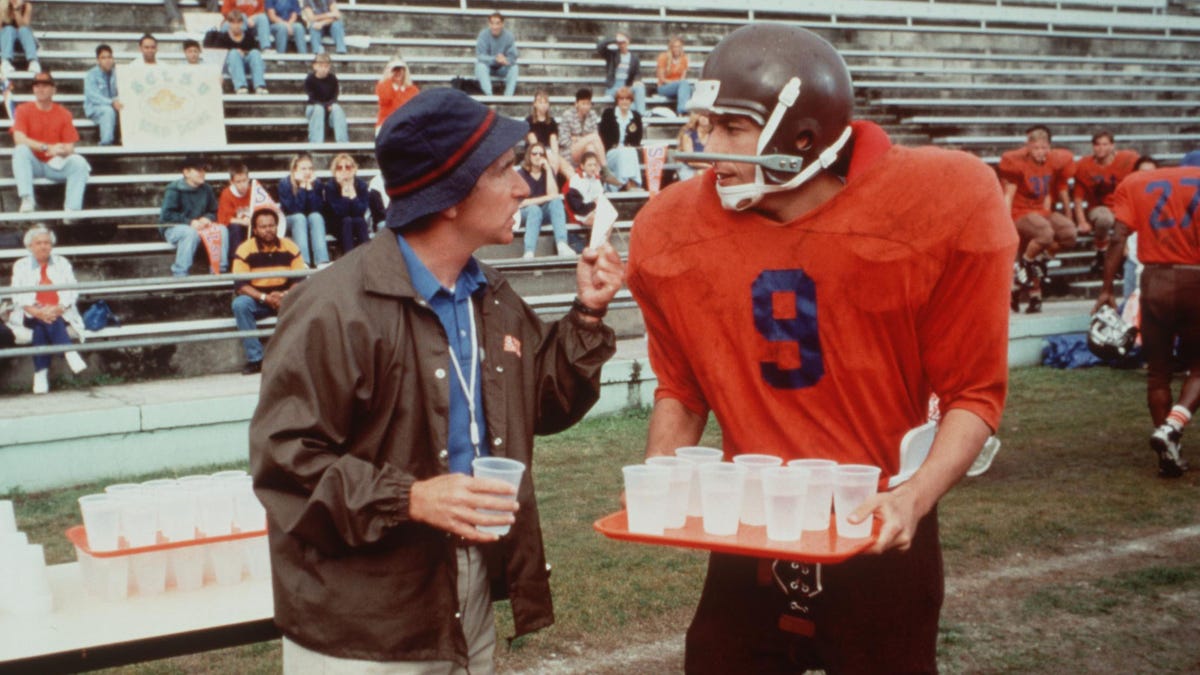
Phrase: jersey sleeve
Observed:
(963, 326)
(1124, 209)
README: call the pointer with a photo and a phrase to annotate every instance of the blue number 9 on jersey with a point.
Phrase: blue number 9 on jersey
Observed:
(800, 329)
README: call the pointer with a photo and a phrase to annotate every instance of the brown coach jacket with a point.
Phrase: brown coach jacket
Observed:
(354, 408)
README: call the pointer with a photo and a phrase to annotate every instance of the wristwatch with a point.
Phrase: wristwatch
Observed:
(578, 306)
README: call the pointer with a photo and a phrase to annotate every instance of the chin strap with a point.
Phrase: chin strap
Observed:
(742, 197)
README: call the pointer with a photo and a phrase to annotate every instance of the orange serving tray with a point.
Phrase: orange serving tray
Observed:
(813, 547)
(78, 536)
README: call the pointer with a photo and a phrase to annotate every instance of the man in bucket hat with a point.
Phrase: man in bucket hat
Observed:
(370, 417)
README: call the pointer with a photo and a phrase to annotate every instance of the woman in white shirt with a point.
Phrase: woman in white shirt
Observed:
(45, 315)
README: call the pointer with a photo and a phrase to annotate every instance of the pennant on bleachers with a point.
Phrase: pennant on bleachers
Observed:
(656, 158)
(260, 198)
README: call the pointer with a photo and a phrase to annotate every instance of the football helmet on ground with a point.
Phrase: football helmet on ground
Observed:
(1109, 336)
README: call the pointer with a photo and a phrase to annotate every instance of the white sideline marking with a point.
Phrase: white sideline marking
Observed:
(671, 648)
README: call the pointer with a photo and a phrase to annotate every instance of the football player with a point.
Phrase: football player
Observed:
(1033, 176)
(1163, 208)
(812, 290)
(1096, 178)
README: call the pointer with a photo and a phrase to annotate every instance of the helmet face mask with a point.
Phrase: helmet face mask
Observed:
(793, 84)
(1109, 336)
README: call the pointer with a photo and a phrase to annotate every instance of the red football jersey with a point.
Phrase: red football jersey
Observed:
(1163, 207)
(1034, 181)
(1095, 183)
(825, 336)
(1062, 162)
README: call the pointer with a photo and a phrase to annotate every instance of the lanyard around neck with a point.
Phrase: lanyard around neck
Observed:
(468, 388)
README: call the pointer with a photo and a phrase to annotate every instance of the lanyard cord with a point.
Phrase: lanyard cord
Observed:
(469, 389)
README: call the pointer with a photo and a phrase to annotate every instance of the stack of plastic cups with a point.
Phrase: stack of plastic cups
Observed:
(680, 490)
(216, 520)
(105, 577)
(189, 563)
(250, 516)
(139, 520)
(176, 523)
(24, 588)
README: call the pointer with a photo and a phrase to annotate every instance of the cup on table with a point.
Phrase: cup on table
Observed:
(752, 497)
(680, 490)
(697, 455)
(195, 487)
(721, 489)
(785, 489)
(853, 484)
(646, 497)
(819, 502)
(176, 509)
(248, 513)
(498, 468)
(214, 504)
(101, 521)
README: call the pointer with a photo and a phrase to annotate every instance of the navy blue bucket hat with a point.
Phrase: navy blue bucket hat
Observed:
(1191, 159)
(433, 150)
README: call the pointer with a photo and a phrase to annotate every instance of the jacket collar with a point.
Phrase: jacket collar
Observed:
(385, 273)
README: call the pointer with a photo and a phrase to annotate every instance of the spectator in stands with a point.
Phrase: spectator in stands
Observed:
(16, 25)
(45, 137)
(284, 16)
(622, 69)
(394, 88)
(47, 314)
(672, 74)
(321, 87)
(189, 208)
(543, 203)
(254, 15)
(621, 131)
(264, 251)
(543, 129)
(100, 97)
(324, 18)
(347, 202)
(585, 188)
(233, 206)
(243, 56)
(1029, 179)
(301, 195)
(192, 52)
(1096, 179)
(692, 138)
(577, 129)
(496, 56)
(148, 47)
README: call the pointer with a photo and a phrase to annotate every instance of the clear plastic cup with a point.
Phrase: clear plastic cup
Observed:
(248, 513)
(819, 503)
(214, 506)
(187, 567)
(784, 491)
(8, 517)
(681, 488)
(853, 484)
(121, 493)
(195, 487)
(498, 468)
(149, 572)
(226, 559)
(752, 498)
(139, 519)
(176, 511)
(697, 455)
(721, 489)
(101, 521)
(258, 558)
(646, 490)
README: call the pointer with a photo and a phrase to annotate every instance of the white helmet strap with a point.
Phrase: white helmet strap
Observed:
(742, 197)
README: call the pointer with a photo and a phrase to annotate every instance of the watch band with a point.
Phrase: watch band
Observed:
(578, 306)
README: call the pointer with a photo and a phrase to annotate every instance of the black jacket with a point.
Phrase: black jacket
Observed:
(610, 131)
(608, 50)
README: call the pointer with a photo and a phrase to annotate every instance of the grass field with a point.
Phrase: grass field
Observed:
(1069, 555)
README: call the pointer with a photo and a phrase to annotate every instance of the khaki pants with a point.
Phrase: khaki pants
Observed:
(475, 607)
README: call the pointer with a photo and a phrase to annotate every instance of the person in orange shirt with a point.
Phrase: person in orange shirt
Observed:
(672, 74)
(1162, 207)
(394, 89)
(1096, 178)
(1032, 177)
(233, 207)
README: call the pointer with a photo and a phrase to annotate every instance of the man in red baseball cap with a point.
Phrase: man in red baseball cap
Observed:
(45, 137)
(389, 373)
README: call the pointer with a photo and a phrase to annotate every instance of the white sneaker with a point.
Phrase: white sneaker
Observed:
(27, 205)
(527, 255)
(261, 91)
(242, 90)
(6, 69)
(34, 67)
(76, 362)
(565, 250)
(41, 381)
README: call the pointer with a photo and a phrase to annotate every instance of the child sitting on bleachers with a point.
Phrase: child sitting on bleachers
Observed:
(233, 208)
(321, 86)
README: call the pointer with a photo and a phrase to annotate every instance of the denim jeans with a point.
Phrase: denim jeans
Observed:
(246, 313)
(535, 214)
(336, 30)
(106, 122)
(639, 95)
(316, 115)
(53, 333)
(74, 173)
(236, 66)
(304, 229)
(279, 31)
(355, 231)
(485, 74)
(185, 239)
(9, 35)
(680, 90)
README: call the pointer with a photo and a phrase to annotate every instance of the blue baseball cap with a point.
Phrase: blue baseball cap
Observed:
(1191, 159)
(433, 150)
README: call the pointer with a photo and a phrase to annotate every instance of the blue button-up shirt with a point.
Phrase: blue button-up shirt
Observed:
(452, 308)
(99, 90)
